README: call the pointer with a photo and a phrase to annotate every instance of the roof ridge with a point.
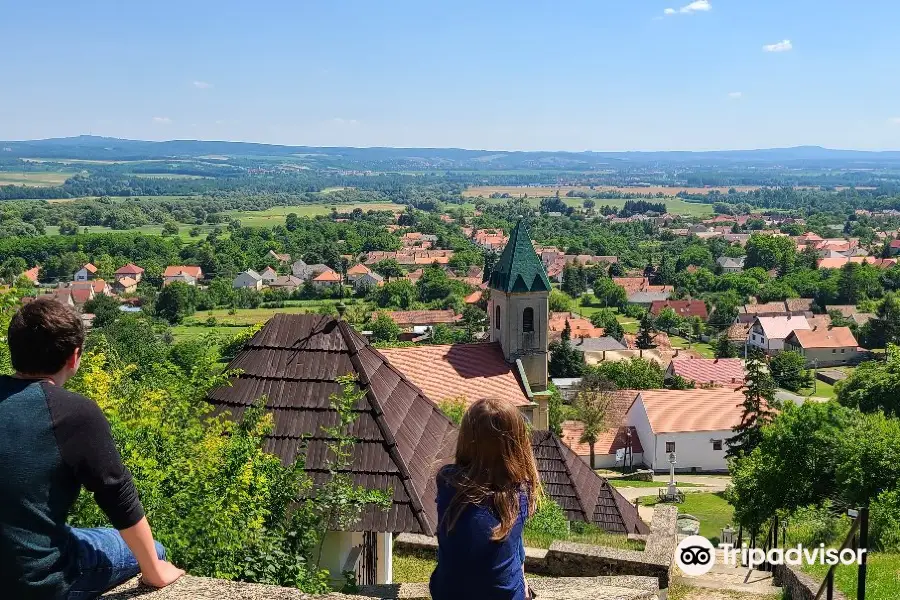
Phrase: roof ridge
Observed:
(390, 440)
(588, 516)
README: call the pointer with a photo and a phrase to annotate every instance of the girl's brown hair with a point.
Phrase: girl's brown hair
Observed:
(494, 464)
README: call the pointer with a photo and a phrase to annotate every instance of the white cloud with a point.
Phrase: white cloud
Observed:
(695, 6)
(782, 46)
(736, 95)
(344, 122)
(162, 120)
(202, 85)
(894, 120)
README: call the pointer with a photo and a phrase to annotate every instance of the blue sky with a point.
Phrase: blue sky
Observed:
(530, 75)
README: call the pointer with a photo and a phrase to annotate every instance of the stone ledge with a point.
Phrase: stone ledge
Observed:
(204, 588)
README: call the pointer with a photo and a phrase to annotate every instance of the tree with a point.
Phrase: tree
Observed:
(607, 320)
(395, 294)
(560, 301)
(104, 308)
(68, 227)
(632, 374)
(874, 386)
(12, 268)
(175, 302)
(592, 404)
(884, 329)
(668, 319)
(574, 282)
(789, 371)
(724, 347)
(473, 320)
(565, 361)
(384, 329)
(770, 252)
(759, 399)
(609, 294)
(169, 228)
(646, 332)
(434, 284)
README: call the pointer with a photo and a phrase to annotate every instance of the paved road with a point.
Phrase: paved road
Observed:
(704, 483)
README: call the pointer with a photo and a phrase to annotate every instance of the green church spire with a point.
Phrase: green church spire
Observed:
(519, 269)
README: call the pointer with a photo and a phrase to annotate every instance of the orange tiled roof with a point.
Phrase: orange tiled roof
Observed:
(660, 338)
(410, 318)
(580, 326)
(607, 443)
(327, 276)
(824, 337)
(176, 270)
(32, 274)
(721, 371)
(473, 371)
(129, 269)
(359, 269)
(678, 411)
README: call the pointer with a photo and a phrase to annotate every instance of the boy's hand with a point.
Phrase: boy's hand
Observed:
(163, 574)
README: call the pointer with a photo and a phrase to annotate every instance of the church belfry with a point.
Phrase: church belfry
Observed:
(518, 308)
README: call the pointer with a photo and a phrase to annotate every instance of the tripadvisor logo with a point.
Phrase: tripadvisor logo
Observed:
(695, 555)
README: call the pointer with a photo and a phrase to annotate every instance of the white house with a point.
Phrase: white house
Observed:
(731, 265)
(268, 275)
(768, 333)
(189, 274)
(249, 279)
(694, 424)
(86, 273)
(369, 280)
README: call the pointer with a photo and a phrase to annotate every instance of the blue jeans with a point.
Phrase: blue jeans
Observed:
(103, 560)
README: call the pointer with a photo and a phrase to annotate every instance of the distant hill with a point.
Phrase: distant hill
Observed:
(87, 147)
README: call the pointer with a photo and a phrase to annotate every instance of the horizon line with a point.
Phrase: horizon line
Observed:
(220, 141)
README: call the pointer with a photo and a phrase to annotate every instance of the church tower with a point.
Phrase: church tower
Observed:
(518, 314)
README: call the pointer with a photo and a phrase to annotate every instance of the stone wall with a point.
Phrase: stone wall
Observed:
(798, 585)
(570, 559)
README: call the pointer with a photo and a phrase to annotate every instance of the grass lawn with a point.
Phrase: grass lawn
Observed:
(192, 332)
(627, 483)
(882, 579)
(277, 214)
(595, 537)
(412, 569)
(819, 390)
(712, 509)
(702, 348)
(252, 316)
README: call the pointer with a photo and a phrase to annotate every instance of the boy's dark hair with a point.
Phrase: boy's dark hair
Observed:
(42, 335)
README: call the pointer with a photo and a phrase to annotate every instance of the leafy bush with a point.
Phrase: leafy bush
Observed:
(549, 519)
(885, 521)
(454, 408)
(814, 525)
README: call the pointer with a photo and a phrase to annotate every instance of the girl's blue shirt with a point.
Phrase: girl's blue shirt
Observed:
(470, 564)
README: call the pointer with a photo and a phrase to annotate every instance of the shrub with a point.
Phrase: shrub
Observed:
(548, 520)
(814, 525)
(885, 521)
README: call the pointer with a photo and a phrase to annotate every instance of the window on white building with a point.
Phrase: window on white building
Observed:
(670, 446)
(717, 444)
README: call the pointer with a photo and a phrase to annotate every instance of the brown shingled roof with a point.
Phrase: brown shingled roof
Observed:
(403, 438)
(582, 494)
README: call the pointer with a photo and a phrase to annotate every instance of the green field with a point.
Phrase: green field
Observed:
(183, 230)
(33, 178)
(277, 214)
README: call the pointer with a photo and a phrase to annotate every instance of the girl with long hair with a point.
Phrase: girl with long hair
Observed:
(483, 501)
